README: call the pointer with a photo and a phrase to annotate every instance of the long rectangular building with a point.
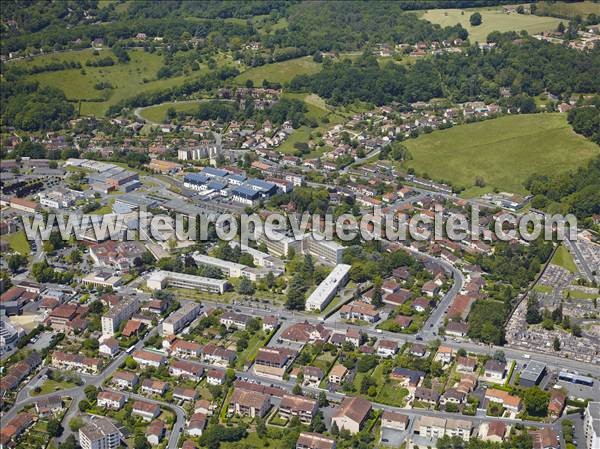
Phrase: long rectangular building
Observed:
(161, 279)
(327, 289)
(326, 251)
(181, 318)
(231, 269)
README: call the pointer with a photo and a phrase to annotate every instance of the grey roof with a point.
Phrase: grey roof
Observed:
(533, 371)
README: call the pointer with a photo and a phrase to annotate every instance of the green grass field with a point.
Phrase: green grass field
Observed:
(564, 9)
(504, 151)
(576, 294)
(493, 20)
(18, 242)
(279, 72)
(139, 75)
(317, 109)
(562, 257)
(158, 113)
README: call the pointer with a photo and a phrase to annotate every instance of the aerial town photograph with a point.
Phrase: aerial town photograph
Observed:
(299, 224)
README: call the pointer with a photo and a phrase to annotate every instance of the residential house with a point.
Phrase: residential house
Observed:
(248, 403)
(215, 377)
(153, 386)
(299, 406)
(494, 431)
(312, 374)
(147, 410)
(407, 378)
(557, 403)
(308, 440)
(197, 424)
(49, 406)
(427, 395)
(453, 396)
(351, 414)
(494, 371)
(545, 438)
(185, 349)
(186, 369)
(109, 347)
(466, 364)
(110, 399)
(456, 329)
(337, 373)
(444, 354)
(387, 348)
(147, 358)
(185, 394)
(125, 379)
(508, 401)
(155, 432)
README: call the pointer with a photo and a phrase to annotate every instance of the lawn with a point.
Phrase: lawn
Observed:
(139, 75)
(563, 258)
(504, 151)
(317, 109)
(18, 242)
(547, 289)
(493, 20)
(256, 342)
(50, 386)
(279, 72)
(565, 9)
(158, 113)
(576, 294)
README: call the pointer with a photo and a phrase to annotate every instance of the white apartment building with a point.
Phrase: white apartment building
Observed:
(161, 279)
(281, 245)
(325, 251)
(232, 269)
(327, 289)
(99, 434)
(180, 318)
(591, 425)
(117, 314)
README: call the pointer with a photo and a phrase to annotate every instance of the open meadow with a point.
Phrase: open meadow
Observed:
(504, 151)
(127, 80)
(570, 10)
(279, 72)
(493, 20)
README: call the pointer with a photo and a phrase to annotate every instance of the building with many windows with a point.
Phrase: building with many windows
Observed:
(181, 318)
(327, 289)
(161, 279)
(117, 314)
(591, 425)
(99, 434)
(326, 251)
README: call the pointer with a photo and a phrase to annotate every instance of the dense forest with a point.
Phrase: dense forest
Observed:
(526, 66)
(576, 192)
(512, 267)
(585, 119)
(325, 26)
(314, 25)
(30, 107)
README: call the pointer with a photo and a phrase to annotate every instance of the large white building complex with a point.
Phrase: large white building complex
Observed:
(591, 425)
(232, 269)
(161, 279)
(327, 289)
